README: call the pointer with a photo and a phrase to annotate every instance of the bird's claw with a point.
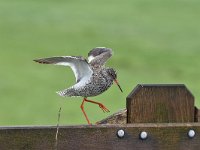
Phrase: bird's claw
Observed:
(104, 108)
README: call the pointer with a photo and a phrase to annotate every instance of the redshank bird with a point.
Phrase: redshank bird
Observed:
(92, 77)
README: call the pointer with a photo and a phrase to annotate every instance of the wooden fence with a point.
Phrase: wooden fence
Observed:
(159, 117)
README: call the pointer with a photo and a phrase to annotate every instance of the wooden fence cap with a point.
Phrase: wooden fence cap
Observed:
(140, 86)
(149, 103)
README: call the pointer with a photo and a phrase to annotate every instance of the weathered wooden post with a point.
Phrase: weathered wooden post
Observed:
(157, 117)
(160, 103)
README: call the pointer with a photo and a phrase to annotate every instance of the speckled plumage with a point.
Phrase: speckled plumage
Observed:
(98, 83)
(92, 77)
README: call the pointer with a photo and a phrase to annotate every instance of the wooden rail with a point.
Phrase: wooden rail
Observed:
(164, 113)
(172, 136)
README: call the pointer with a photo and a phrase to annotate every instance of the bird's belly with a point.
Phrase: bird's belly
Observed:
(93, 89)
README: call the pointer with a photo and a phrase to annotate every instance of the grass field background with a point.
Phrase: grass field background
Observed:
(153, 42)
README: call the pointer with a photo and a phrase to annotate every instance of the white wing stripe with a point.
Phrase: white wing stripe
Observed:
(90, 58)
(73, 67)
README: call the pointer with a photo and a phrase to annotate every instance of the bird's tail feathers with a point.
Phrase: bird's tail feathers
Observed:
(62, 93)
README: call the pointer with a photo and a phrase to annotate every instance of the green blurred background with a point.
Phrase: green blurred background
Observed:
(153, 41)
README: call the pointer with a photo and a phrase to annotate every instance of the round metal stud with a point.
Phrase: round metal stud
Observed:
(143, 135)
(191, 133)
(120, 133)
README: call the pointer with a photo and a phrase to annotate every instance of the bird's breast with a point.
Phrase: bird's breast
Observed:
(98, 84)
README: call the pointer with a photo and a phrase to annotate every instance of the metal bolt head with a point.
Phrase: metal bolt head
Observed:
(143, 135)
(191, 133)
(120, 133)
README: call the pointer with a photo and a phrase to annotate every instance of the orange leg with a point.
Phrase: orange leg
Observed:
(82, 108)
(100, 105)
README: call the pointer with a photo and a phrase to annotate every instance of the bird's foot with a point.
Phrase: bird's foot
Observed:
(104, 108)
(100, 105)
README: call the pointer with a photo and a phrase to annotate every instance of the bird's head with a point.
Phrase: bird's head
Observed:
(113, 74)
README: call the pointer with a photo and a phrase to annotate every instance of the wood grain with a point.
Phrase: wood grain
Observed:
(119, 117)
(197, 115)
(165, 136)
(160, 103)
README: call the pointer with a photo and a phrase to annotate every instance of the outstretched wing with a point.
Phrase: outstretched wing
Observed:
(99, 56)
(79, 65)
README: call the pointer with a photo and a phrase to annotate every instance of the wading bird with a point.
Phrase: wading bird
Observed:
(92, 77)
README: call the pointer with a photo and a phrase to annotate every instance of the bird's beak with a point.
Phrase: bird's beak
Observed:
(118, 85)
